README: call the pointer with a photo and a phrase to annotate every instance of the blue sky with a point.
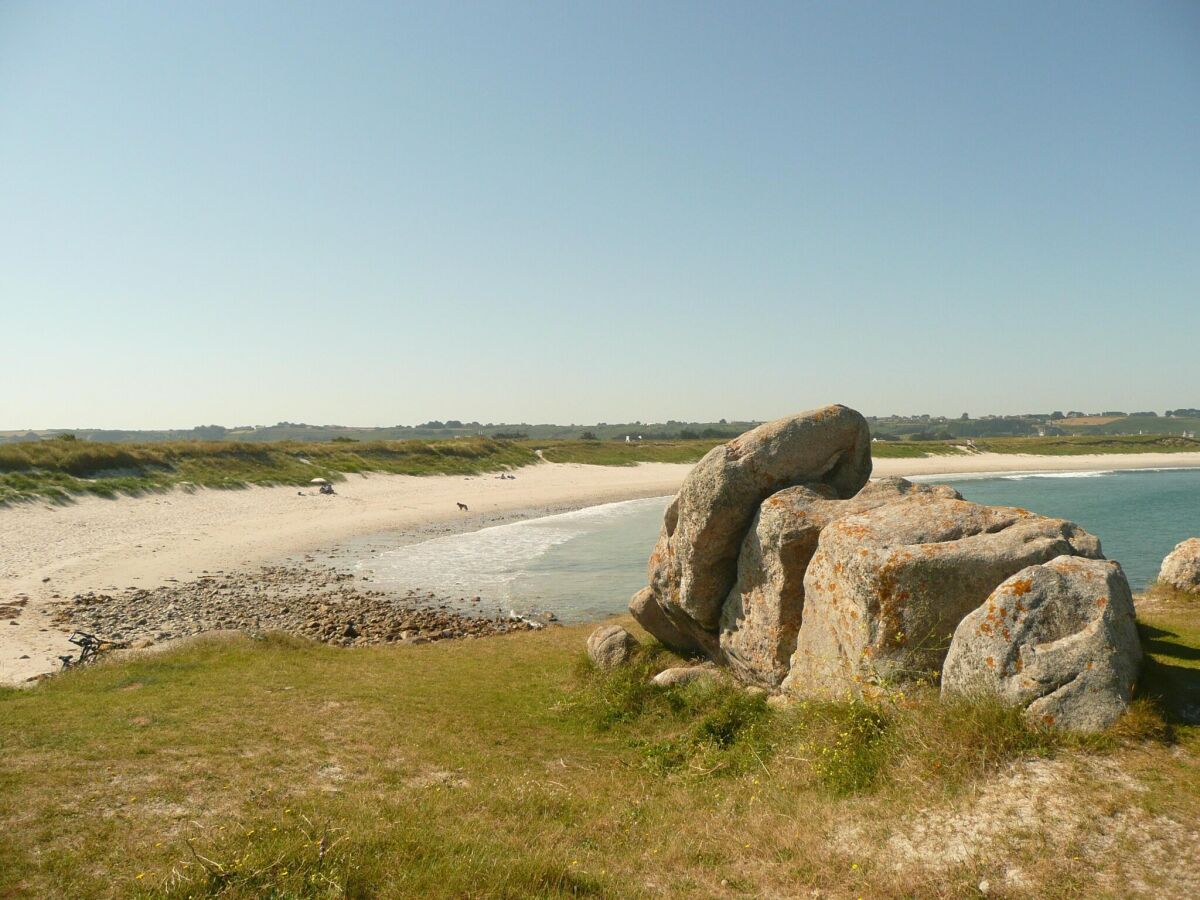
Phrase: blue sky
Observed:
(386, 213)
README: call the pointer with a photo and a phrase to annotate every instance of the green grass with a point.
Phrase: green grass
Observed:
(58, 469)
(509, 767)
(1075, 445)
(1170, 630)
(620, 453)
(914, 449)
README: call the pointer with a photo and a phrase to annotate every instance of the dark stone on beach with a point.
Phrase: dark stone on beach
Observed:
(316, 603)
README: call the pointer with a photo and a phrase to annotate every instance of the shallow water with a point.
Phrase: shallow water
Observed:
(585, 565)
(581, 565)
(1139, 516)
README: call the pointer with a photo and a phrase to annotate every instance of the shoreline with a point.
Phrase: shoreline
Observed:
(997, 465)
(54, 553)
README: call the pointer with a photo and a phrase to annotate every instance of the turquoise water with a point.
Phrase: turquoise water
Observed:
(1139, 516)
(585, 565)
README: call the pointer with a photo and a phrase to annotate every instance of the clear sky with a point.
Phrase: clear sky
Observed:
(240, 213)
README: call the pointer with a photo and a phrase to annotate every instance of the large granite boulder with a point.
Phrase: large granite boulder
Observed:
(762, 614)
(886, 588)
(1059, 639)
(694, 564)
(1181, 568)
(610, 646)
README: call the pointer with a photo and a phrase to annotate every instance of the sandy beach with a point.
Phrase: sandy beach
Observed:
(52, 553)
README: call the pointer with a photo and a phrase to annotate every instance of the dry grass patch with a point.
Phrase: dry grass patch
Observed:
(509, 767)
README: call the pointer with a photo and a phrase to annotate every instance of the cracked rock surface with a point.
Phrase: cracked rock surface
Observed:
(1059, 639)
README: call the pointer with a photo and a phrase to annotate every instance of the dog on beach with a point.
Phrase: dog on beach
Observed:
(463, 507)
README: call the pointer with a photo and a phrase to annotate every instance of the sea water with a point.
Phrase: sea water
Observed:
(1139, 515)
(580, 565)
(586, 564)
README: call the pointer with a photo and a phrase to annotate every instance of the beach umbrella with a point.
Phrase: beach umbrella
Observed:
(319, 481)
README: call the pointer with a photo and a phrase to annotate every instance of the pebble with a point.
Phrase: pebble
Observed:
(320, 603)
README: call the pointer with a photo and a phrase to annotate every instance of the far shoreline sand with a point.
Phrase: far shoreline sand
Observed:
(54, 552)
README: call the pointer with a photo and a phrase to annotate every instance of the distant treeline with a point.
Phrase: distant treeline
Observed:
(1182, 421)
(433, 430)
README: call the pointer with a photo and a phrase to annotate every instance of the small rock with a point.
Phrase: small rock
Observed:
(1181, 568)
(684, 675)
(611, 646)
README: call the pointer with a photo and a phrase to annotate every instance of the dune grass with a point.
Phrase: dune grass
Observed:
(914, 449)
(620, 453)
(58, 469)
(510, 767)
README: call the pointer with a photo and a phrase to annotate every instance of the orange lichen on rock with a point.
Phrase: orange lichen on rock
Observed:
(1020, 586)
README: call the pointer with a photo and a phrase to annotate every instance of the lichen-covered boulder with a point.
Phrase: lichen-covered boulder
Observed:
(762, 614)
(1058, 639)
(886, 588)
(610, 646)
(1181, 568)
(694, 563)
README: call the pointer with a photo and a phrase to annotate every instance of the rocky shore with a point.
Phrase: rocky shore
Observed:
(318, 602)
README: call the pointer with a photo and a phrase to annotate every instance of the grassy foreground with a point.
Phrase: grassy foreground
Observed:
(507, 767)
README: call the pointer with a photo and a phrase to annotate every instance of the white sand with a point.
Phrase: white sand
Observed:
(107, 545)
(1000, 463)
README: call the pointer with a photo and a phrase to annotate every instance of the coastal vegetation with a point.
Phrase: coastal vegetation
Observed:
(1179, 422)
(621, 453)
(59, 468)
(509, 767)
